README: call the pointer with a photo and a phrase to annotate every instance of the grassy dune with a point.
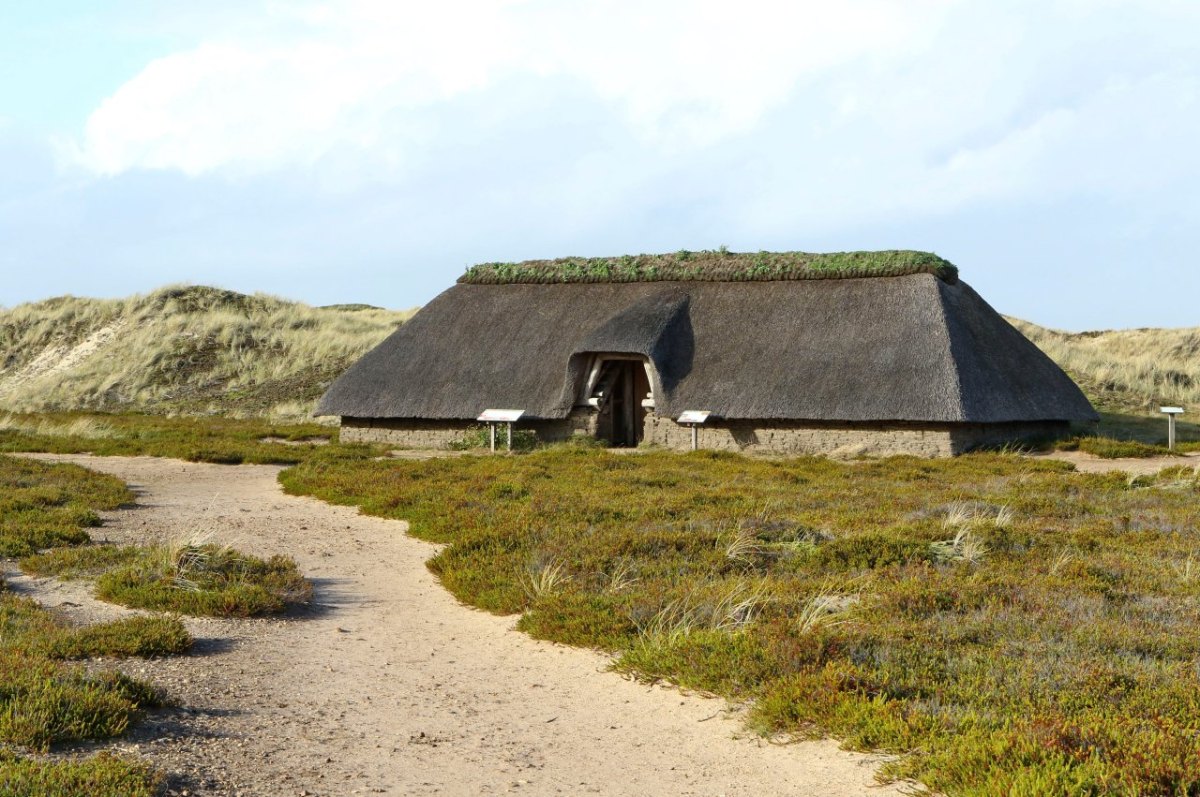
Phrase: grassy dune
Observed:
(1129, 373)
(187, 349)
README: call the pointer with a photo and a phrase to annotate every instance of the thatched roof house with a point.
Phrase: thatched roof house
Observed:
(873, 352)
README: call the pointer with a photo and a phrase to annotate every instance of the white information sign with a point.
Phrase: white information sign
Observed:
(500, 416)
(1171, 412)
(694, 416)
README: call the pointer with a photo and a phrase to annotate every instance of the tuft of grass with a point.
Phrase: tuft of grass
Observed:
(826, 609)
(1062, 660)
(544, 579)
(189, 578)
(964, 546)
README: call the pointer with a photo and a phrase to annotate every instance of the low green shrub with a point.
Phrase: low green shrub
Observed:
(44, 702)
(101, 775)
(215, 439)
(84, 561)
(27, 627)
(479, 437)
(190, 579)
(1108, 448)
(1008, 625)
(44, 505)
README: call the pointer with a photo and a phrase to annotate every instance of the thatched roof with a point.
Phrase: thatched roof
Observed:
(907, 348)
(714, 266)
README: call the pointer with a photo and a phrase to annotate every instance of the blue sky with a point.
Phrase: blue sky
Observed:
(370, 150)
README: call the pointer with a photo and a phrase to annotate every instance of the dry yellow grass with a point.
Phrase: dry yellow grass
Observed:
(1128, 370)
(185, 349)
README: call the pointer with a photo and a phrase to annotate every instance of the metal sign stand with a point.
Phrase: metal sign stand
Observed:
(1171, 412)
(494, 417)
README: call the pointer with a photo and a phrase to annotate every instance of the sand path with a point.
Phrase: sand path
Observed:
(389, 686)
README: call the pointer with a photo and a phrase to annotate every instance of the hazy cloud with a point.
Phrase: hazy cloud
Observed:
(363, 75)
(1046, 143)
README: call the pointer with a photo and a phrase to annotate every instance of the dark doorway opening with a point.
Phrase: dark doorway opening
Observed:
(621, 387)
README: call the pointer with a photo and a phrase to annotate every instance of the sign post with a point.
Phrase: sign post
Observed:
(1171, 412)
(694, 419)
(493, 417)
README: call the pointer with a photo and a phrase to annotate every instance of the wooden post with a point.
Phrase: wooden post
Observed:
(492, 436)
(1171, 412)
(510, 437)
(695, 437)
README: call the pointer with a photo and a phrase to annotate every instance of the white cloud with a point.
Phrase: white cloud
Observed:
(362, 74)
(798, 116)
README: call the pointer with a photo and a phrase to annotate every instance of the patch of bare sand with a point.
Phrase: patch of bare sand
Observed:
(59, 359)
(389, 686)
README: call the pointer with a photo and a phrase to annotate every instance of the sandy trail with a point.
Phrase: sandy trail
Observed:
(389, 686)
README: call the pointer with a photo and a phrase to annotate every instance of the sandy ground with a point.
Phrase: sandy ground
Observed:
(387, 685)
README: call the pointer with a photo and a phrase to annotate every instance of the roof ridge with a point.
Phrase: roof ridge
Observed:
(715, 266)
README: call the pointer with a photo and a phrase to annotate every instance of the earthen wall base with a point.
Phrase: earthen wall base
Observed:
(773, 437)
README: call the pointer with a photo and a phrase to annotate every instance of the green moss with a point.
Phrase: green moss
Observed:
(714, 266)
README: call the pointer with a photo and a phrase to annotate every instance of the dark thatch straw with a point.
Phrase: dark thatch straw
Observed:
(908, 348)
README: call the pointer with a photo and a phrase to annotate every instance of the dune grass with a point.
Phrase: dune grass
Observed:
(191, 578)
(187, 349)
(1128, 371)
(1008, 626)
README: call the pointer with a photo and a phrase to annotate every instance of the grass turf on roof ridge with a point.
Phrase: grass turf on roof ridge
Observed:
(714, 266)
